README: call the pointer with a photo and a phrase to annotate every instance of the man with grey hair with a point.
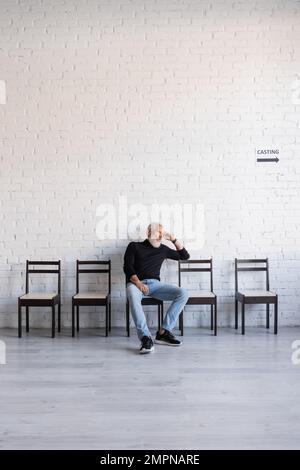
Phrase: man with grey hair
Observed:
(142, 264)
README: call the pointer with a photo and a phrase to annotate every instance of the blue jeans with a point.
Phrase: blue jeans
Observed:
(157, 290)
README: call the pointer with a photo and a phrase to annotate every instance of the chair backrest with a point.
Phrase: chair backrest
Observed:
(81, 270)
(208, 268)
(250, 262)
(54, 268)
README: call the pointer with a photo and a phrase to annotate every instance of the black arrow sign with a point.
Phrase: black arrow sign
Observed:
(268, 159)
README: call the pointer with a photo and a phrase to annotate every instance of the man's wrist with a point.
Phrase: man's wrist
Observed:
(134, 279)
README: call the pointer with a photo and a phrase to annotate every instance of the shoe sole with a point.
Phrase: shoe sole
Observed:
(146, 351)
(158, 341)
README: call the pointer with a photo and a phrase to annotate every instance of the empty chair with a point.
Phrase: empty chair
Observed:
(92, 298)
(255, 296)
(201, 297)
(145, 301)
(40, 299)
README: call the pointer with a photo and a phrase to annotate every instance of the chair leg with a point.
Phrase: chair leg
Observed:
(127, 319)
(236, 314)
(181, 323)
(158, 316)
(77, 318)
(276, 316)
(106, 319)
(216, 319)
(162, 313)
(27, 319)
(53, 321)
(268, 316)
(243, 318)
(59, 317)
(109, 314)
(19, 319)
(73, 319)
(211, 317)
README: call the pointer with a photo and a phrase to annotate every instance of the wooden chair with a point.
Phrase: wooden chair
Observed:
(146, 301)
(40, 299)
(202, 297)
(92, 298)
(253, 296)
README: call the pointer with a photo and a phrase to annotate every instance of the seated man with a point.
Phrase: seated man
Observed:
(142, 263)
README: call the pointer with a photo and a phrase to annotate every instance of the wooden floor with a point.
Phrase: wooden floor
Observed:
(94, 392)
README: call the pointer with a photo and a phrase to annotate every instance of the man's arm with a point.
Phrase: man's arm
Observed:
(129, 257)
(129, 269)
(180, 252)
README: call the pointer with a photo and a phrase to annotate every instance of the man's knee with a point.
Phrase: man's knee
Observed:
(132, 292)
(183, 294)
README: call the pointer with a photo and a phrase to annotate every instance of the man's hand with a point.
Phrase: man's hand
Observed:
(143, 287)
(169, 236)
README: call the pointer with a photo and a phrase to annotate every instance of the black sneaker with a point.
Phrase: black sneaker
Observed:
(147, 345)
(167, 338)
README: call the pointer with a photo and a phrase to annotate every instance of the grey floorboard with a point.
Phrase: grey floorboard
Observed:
(92, 392)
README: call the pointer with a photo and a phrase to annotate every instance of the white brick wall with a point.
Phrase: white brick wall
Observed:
(155, 100)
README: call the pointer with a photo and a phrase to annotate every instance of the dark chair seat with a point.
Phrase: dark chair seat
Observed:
(256, 296)
(202, 297)
(40, 296)
(90, 296)
(151, 301)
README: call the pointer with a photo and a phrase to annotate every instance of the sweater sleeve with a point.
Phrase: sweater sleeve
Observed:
(177, 254)
(129, 259)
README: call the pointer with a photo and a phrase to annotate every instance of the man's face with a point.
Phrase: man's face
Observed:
(155, 232)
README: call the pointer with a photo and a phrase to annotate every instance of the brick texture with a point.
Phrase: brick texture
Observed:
(161, 100)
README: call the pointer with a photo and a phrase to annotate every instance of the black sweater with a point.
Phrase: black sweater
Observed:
(144, 260)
